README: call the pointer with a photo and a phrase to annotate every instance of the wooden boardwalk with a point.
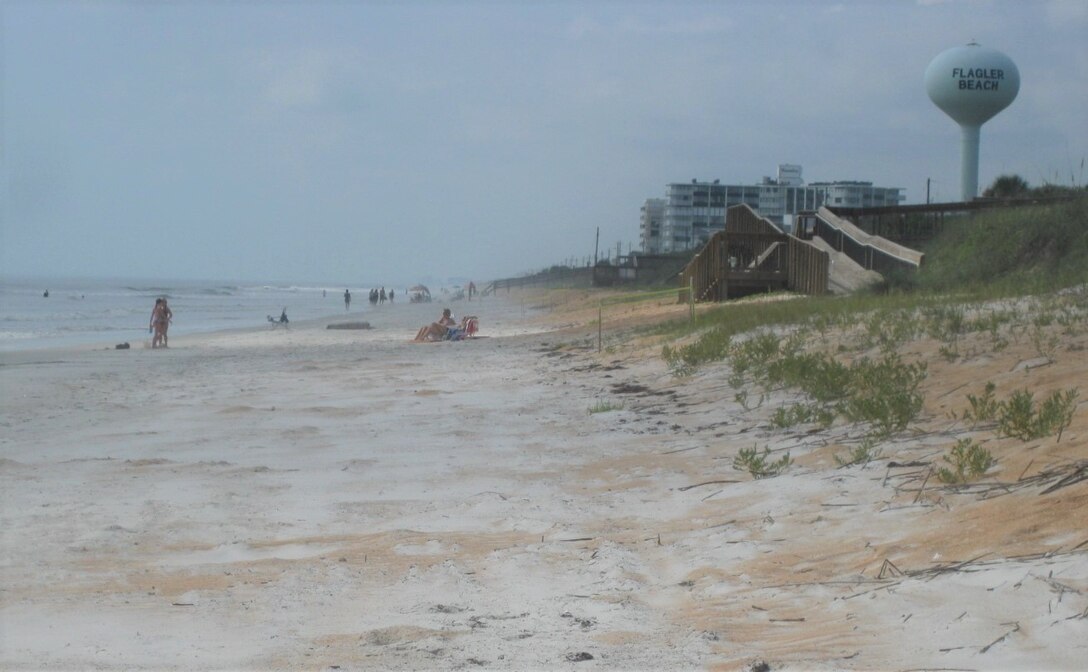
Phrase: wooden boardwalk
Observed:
(753, 255)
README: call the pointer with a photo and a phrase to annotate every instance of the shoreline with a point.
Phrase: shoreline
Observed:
(381, 328)
(308, 502)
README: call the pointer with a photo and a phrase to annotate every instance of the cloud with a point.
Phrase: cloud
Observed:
(708, 24)
(1066, 13)
(296, 79)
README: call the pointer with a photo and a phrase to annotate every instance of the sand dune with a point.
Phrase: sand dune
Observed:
(305, 500)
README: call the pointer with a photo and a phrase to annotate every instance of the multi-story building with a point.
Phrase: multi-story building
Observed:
(651, 218)
(693, 211)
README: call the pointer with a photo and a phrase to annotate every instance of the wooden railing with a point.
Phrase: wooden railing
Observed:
(869, 251)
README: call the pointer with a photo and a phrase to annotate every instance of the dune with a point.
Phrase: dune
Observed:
(310, 501)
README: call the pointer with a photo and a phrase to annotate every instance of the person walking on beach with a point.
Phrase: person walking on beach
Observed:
(347, 300)
(381, 297)
(390, 296)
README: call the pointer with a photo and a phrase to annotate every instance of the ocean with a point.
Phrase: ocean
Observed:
(108, 312)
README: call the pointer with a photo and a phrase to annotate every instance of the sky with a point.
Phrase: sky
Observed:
(365, 143)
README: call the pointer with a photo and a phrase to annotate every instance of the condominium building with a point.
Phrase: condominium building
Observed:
(693, 211)
(651, 219)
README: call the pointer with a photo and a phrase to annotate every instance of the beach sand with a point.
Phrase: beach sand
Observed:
(305, 499)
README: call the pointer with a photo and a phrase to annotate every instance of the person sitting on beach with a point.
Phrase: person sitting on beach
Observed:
(281, 320)
(436, 331)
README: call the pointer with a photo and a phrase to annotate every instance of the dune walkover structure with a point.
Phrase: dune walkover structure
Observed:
(753, 255)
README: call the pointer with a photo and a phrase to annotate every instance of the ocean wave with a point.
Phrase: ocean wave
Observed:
(95, 328)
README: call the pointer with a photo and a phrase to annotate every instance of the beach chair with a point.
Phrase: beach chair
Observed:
(470, 324)
(282, 321)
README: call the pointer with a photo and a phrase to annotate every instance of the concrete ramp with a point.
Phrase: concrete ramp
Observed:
(844, 274)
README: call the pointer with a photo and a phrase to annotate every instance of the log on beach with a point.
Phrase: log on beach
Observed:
(349, 325)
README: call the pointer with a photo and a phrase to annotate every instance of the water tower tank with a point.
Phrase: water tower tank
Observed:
(971, 84)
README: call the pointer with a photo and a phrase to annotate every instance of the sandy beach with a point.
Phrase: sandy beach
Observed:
(319, 499)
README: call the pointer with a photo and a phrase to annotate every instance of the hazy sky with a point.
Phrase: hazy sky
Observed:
(377, 142)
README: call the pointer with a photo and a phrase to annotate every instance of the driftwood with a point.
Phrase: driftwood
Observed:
(1016, 628)
(1051, 479)
(349, 325)
(889, 568)
(689, 487)
(1079, 473)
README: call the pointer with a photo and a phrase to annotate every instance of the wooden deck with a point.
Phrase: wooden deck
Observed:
(751, 256)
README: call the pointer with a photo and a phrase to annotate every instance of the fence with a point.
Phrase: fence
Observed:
(914, 225)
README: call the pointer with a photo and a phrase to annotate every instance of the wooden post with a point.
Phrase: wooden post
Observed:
(691, 299)
(600, 313)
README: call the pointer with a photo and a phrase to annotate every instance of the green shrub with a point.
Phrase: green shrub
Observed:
(863, 453)
(788, 416)
(754, 355)
(984, 408)
(604, 407)
(1046, 344)
(889, 328)
(885, 393)
(1018, 416)
(742, 399)
(756, 463)
(818, 375)
(968, 459)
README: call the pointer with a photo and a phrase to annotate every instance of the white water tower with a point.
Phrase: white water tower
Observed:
(971, 84)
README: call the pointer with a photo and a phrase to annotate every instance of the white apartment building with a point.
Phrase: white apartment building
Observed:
(694, 211)
(651, 219)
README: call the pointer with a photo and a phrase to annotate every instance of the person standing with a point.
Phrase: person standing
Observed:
(155, 324)
(167, 315)
(381, 297)
(160, 322)
(347, 300)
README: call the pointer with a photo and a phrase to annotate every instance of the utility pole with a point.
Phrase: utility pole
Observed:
(596, 246)
(927, 191)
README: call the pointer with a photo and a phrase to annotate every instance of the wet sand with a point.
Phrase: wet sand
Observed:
(314, 499)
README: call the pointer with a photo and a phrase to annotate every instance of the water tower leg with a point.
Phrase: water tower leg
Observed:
(969, 163)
